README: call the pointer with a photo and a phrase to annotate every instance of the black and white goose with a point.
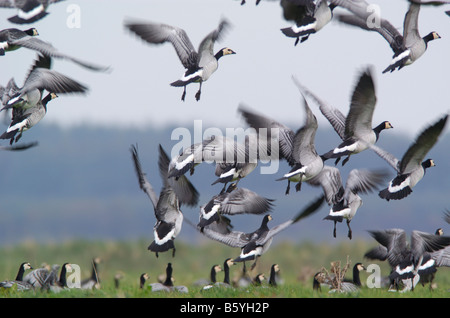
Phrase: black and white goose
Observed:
(234, 160)
(167, 285)
(60, 284)
(29, 11)
(274, 275)
(407, 47)
(41, 78)
(92, 281)
(412, 166)
(42, 276)
(310, 17)
(23, 119)
(345, 200)
(12, 39)
(174, 193)
(200, 64)
(356, 129)
(255, 243)
(231, 202)
(410, 261)
(307, 163)
(18, 281)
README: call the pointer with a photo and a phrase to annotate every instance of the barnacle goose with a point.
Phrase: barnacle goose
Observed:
(174, 193)
(93, 281)
(234, 159)
(167, 285)
(200, 64)
(310, 17)
(274, 275)
(412, 166)
(355, 130)
(18, 281)
(408, 47)
(42, 276)
(29, 11)
(226, 282)
(345, 200)
(255, 243)
(12, 39)
(307, 163)
(231, 202)
(410, 261)
(40, 78)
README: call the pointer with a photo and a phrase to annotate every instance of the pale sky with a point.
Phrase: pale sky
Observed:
(137, 92)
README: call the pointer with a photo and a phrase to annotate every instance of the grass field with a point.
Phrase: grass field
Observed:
(298, 263)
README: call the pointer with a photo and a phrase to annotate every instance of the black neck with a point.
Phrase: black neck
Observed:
(379, 128)
(20, 273)
(356, 278)
(219, 55)
(213, 274)
(226, 278)
(62, 276)
(429, 37)
(168, 281)
(272, 278)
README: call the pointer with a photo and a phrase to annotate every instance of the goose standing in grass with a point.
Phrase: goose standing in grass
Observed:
(208, 282)
(412, 166)
(407, 47)
(274, 275)
(21, 285)
(29, 11)
(345, 201)
(40, 277)
(255, 243)
(200, 64)
(355, 130)
(41, 78)
(174, 193)
(410, 261)
(167, 285)
(61, 283)
(231, 202)
(92, 281)
(226, 275)
(310, 17)
(143, 279)
(13, 39)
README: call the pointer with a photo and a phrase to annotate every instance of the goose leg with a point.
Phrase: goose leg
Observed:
(337, 160)
(305, 38)
(197, 96)
(173, 252)
(349, 230)
(345, 160)
(288, 187)
(184, 94)
(296, 41)
(254, 263)
(334, 229)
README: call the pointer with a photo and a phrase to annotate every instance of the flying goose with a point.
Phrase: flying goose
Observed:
(233, 201)
(40, 78)
(200, 64)
(255, 243)
(234, 160)
(355, 130)
(29, 11)
(307, 163)
(174, 193)
(345, 200)
(407, 47)
(412, 166)
(310, 17)
(21, 285)
(410, 261)
(12, 39)
(93, 281)
(23, 119)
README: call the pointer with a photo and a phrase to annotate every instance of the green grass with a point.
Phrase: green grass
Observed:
(298, 263)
